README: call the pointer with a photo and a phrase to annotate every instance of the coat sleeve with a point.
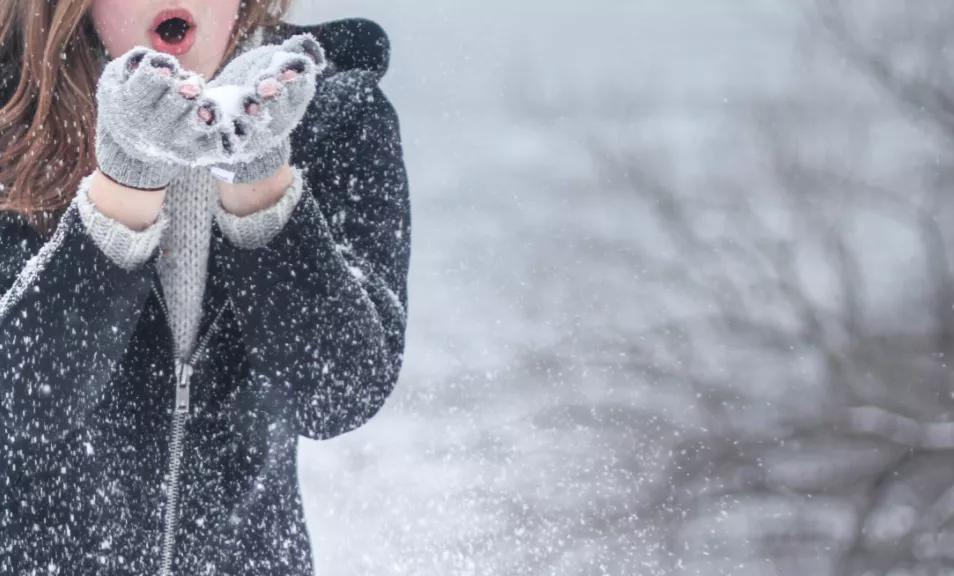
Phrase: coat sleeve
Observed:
(323, 304)
(67, 312)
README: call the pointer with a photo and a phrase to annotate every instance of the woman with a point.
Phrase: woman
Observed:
(204, 244)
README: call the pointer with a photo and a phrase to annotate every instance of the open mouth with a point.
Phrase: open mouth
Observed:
(173, 31)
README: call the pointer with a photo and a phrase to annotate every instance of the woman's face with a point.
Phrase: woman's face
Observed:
(196, 32)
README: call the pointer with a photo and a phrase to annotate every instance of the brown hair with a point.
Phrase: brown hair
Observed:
(49, 66)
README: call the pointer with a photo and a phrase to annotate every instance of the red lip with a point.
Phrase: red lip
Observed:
(177, 48)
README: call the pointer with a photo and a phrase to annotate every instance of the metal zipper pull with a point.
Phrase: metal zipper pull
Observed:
(183, 376)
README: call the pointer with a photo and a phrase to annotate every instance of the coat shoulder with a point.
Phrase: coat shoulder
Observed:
(349, 43)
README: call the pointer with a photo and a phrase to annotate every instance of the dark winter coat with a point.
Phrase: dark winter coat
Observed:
(302, 337)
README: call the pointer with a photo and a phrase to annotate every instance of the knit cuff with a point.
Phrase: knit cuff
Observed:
(113, 161)
(128, 248)
(258, 169)
(255, 230)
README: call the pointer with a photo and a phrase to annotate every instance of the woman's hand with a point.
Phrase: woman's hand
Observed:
(250, 197)
(264, 94)
(153, 119)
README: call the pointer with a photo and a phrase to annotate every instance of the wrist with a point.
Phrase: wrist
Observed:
(246, 198)
(137, 209)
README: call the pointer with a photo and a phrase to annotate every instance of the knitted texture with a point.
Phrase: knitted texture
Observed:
(183, 229)
(146, 128)
(128, 248)
(183, 261)
(154, 117)
(264, 92)
(255, 230)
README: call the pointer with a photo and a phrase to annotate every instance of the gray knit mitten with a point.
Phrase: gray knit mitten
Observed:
(152, 119)
(264, 94)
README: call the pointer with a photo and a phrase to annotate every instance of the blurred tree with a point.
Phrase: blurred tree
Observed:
(809, 305)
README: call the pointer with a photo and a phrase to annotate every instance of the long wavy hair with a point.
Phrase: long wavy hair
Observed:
(49, 65)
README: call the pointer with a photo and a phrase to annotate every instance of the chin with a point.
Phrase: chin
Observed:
(195, 63)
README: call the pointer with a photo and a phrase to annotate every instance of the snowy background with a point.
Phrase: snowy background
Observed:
(681, 294)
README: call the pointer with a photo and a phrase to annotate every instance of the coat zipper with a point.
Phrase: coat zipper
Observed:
(183, 377)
